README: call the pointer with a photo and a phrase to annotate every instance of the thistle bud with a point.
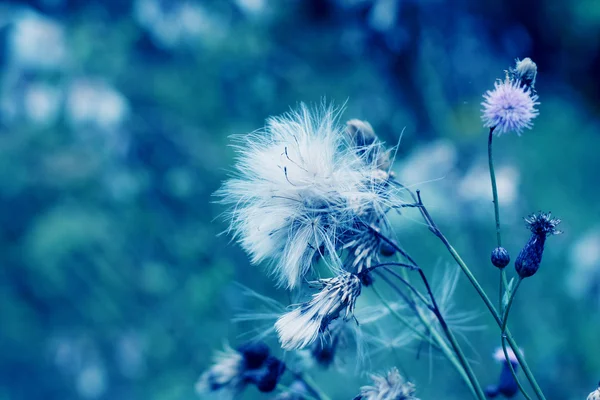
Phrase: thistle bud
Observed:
(500, 257)
(361, 132)
(525, 72)
(541, 225)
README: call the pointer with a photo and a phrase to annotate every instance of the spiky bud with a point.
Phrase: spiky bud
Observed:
(500, 257)
(541, 225)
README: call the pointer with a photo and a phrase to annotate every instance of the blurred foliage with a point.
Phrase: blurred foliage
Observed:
(114, 125)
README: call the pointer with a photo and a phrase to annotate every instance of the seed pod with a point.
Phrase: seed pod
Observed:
(500, 257)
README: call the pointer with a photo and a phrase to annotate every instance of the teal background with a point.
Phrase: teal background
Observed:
(114, 125)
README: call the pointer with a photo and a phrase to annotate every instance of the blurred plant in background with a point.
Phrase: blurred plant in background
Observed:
(114, 119)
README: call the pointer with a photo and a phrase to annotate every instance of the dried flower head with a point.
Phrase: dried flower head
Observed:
(390, 386)
(301, 326)
(300, 186)
(510, 107)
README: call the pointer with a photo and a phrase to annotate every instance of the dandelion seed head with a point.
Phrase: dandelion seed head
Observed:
(299, 186)
(391, 386)
(301, 326)
(509, 107)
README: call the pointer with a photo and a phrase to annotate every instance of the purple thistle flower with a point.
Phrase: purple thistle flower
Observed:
(509, 107)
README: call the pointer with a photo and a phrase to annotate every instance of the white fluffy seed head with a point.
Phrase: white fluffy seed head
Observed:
(301, 326)
(300, 186)
(225, 375)
(390, 386)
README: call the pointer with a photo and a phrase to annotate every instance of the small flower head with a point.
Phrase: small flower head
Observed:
(500, 257)
(301, 326)
(525, 72)
(300, 186)
(225, 376)
(509, 107)
(390, 386)
(543, 224)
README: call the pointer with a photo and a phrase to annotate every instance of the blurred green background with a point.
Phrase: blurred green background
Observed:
(114, 125)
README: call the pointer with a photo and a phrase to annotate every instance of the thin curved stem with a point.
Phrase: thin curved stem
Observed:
(402, 319)
(503, 337)
(486, 300)
(512, 369)
(478, 392)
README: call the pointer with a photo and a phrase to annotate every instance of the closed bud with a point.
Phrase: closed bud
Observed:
(361, 133)
(525, 71)
(500, 257)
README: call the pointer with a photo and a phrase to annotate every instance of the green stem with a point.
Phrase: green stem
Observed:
(494, 187)
(492, 309)
(512, 369)
(442, 343)
(457, 350)
(401, 318)
(504, 324)
(486, 300)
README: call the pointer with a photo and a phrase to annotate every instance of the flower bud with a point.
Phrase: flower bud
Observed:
(525, 71)
(541, 225)
(500, 257)
(361, 132)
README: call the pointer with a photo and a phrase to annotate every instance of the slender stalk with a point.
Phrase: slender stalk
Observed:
(478, 392)
(402, 319)
(513, 344)
(509, 304)
(442, 343)
(503, 337)
(512, 369)
(457, 350)
(494, 188)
